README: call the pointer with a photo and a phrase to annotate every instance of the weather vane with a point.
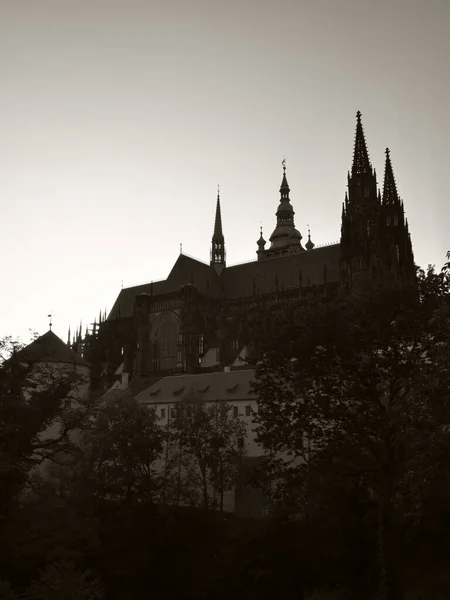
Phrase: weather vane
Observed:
(50, 323)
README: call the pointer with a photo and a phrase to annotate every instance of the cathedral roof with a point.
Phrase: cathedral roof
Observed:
(124, 305)
(239, 281)
(282, 272)
(190, 270)
(209, 387)
(50, 348)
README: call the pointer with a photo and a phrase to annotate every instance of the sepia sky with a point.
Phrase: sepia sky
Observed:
(119, 118)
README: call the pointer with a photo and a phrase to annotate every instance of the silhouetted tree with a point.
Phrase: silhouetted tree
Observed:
(356, 393)
(120, 452)
(204, 451)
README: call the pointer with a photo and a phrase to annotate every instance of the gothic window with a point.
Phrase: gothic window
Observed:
(396, 220)
(398, 253)
(358, 189)
(165, 340)
(366, 191)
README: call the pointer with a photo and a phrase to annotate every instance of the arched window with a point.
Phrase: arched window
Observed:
(165, 340)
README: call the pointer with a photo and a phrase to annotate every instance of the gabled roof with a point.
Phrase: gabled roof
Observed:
(189, 270)
(210, 387)
(124, 304)
(50, 348)
(282, 272)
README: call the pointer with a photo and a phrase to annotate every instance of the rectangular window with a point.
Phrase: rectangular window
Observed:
(163, 413)
(248, 410)
(235, 411)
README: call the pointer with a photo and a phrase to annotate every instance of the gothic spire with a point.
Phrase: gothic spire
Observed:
(218, 221)
(390, 195)
(218, 241)
(361, 162)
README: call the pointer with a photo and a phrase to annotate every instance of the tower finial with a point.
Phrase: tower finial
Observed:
(50, 321)
(283, 162)
(309, 244)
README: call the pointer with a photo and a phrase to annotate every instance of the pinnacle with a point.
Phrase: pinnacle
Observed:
(390, 194)
(361, 162)
(218, 220)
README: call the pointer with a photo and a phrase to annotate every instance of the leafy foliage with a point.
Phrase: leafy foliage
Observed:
(356, 395)
(204, 442)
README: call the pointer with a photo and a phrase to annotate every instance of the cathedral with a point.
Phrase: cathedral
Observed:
(199, 318)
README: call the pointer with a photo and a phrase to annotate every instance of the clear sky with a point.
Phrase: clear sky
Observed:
(118, 118)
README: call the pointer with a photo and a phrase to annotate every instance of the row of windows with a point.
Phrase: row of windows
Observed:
(248, 412)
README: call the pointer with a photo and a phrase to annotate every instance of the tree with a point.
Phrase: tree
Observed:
(63, 581)
(40, 411)
(120, 452)
(205, 446)
(355, 395)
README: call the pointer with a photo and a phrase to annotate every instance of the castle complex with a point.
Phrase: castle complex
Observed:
(199, 319)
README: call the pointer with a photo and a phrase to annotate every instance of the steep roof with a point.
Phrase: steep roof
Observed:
(124, 305)
(50, 348)
(190, 270)
(268, 275)
(231, 385)
(282, 271)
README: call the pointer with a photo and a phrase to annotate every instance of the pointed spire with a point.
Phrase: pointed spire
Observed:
(284, 188)
(218, 241)
(361, 162)
(218, 220)
(68, 337)
(390, 195)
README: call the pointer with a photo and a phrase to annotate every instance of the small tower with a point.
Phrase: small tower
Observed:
(309, 244)
(261, 245)
(360, 213)
(218, 241)
(398, 258)
(285, 238)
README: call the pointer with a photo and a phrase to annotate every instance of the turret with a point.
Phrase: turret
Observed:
(285, 237)
(309, 244)
(261, 243)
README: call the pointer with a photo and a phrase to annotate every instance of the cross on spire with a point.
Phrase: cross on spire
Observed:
(50, 321)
